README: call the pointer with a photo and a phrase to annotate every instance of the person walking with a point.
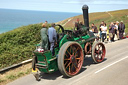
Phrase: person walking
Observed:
(52, 35)
(121, 28)
(104, 31)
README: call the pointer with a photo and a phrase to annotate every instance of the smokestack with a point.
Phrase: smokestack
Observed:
(85, 15)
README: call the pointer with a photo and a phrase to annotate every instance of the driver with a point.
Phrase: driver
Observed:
(78, 26)
(52, 35)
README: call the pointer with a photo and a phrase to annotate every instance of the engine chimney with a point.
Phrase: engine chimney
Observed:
(85, 15)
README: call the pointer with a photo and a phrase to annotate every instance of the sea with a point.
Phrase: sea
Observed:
(11, 19)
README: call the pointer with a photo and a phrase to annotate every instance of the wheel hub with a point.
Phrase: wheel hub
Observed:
(100, 52)
(73, 60)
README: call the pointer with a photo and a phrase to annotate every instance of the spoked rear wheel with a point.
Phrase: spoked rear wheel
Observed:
(98, 52)
(70, 58)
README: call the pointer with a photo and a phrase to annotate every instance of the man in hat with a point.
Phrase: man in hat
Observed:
(52, 37)
(121, 28)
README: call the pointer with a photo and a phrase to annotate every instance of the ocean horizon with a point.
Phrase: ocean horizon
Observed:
(11, 18)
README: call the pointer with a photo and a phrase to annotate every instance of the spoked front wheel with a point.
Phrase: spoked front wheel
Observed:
(70, 58)
(98, 52)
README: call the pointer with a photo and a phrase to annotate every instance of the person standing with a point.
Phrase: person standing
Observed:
(117, 31)
(104, 31)
(121, 28)
(77, 24)
(111, 32)
(52, 35)
(94, 29)
(102, 24)
(44, 37)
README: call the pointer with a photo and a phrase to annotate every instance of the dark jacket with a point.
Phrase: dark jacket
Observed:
(121, 27)
(111, 30)
(95, 29)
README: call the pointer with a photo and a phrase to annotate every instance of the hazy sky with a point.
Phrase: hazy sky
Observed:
(65, 5)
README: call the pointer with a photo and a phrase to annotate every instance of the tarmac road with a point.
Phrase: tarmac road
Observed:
(112, 71)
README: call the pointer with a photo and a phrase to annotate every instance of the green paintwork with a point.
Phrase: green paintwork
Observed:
(49, 62)
(63, 40)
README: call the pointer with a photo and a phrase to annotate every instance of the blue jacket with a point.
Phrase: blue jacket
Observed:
(52, 35)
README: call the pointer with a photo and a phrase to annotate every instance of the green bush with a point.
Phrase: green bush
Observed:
(17, 45)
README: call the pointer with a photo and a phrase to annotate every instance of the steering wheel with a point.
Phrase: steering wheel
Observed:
(60, 30)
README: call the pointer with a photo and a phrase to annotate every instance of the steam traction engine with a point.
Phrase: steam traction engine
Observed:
(70, 52)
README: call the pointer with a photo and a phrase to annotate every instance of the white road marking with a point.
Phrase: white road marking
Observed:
(111, 65)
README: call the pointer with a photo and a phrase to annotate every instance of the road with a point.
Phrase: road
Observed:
(112, 71)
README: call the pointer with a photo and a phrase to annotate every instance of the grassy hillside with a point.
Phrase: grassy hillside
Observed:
(17, 45)
(96, 18)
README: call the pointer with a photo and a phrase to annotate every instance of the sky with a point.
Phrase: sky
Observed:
(65, 5)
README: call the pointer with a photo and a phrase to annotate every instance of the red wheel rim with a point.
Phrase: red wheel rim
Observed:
(99, 52)
(73, 59)
(88, 48)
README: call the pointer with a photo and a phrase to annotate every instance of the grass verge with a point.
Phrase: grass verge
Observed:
(15, 74)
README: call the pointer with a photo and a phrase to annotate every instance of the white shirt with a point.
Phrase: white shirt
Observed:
(116, 27)
(104, 29)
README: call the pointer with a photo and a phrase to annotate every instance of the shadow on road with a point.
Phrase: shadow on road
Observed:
(88, 61)
(51, 76)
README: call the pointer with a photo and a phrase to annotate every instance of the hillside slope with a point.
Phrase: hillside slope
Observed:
(96, 18)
